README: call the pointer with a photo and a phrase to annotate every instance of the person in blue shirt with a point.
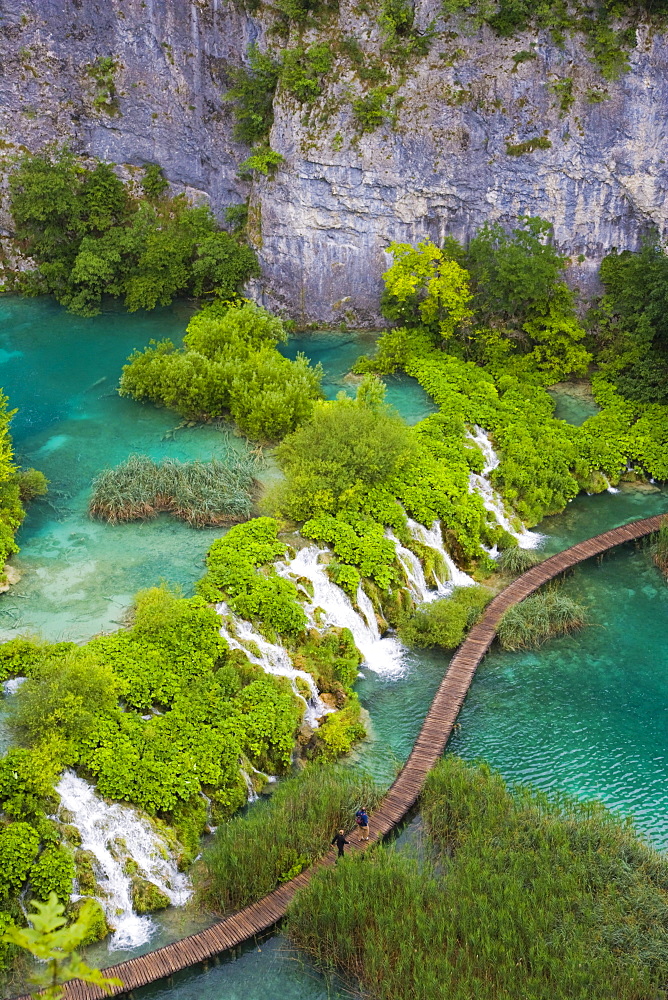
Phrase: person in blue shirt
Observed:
(362, 820)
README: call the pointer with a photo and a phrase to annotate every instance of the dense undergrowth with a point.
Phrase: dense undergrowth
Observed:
(90, 235)
(527, 896)
(253, 854)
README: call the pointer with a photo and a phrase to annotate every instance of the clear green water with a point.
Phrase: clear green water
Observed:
(588, 714)
(573, 402)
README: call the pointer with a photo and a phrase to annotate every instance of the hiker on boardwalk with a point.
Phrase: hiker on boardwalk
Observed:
(362, 820)
(340, 840)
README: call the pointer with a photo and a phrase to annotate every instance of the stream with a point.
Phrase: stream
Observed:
(587, 714)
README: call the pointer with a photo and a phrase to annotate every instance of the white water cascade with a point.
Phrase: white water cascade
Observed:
(434, 539)
(479, 483)
(106, 828)
(274, 660)
(383, 656)
(412, 567)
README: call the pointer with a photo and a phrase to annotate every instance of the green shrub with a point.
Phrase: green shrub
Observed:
(539, 618)
(252, 95)
(302, 70)
(528, 146)
(53, 872)
(238, 569)
(19, 844)
(154, 183)
(263, 159)
(371, 111)
(89, 239)
(444, 622)
(252, 854)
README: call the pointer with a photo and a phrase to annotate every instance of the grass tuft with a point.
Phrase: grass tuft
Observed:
(539, 618)
(201, 493)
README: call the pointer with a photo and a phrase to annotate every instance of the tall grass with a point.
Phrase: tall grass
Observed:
(539, 618)
(533, 899)
(515, 560)
(201, 493)
(659, 546)
(276, 839)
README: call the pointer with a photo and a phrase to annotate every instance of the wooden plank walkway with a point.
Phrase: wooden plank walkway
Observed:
(402, 795)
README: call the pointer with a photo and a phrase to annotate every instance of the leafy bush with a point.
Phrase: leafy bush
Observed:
(32, 483)
(90, 239)
(252, 95)
(444, 622)
(302, 70)
(19, 844)
(229, 364)
(539, 618)
(515, 560)
(238, 569)
(252, 854)
(347, 443)
(263, 159)
(200, 493)
(530, 897)
(153, 183)
(53, 872)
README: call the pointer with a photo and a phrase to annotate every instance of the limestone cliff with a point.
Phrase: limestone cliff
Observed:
(441, 164)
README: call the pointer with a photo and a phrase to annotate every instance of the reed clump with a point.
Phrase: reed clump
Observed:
(530, 896)
(539, 618)
(660, 547)
(201, 493)
(515, 561)
(277, 838)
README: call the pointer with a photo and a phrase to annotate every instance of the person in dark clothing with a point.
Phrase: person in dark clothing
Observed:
(340, 840)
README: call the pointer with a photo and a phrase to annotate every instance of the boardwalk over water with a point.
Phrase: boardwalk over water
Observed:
(402, 795)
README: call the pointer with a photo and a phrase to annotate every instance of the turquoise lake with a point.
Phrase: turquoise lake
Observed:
(587, 714)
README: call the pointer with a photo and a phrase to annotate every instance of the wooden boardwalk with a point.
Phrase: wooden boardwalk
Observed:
(402, 795)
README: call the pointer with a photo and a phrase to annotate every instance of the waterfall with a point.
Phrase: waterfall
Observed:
(609, 487)
(479, 483)
(412, 567)
(120, 828)
(383, 656)
(433, 537)
(252, 794)
(11, 686)
(274, 660)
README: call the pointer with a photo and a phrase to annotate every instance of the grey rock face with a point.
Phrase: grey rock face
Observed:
(323, 222)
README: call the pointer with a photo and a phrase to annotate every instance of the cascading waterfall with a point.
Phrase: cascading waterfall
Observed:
(252, 794)
(433, 537)
(479, 483)
(274, 660)
(119, 829)
(412, 567)
(383, 656)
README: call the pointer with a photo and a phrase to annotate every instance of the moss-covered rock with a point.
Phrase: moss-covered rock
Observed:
(84, 862)
(70, 834)
(99, 928)
(147, 897)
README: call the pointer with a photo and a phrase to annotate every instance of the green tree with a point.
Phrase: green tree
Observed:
(424, 277)
(52, 941)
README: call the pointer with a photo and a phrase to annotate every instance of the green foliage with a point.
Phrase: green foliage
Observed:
(372, 110)
(228, 364)
(53, 872)
(332, 658)
(564, 90)
(238, 568)
(444, 622)
(528, 146)
(32, 483)
(154, 183)
(303, 69)
(19, 844)
(66, 695)
(252, 95)
(90, 240)
(252, 854)
(358, 540)
(103, 73)
(52, 942)
(539, 618)
(529, 897)
(263, 159)
(201, 493)
(11, 510)
(338, 733)
(347, 444)
(660, 547)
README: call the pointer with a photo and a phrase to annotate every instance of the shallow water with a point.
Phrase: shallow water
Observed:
(574, 402)
(586, 713)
